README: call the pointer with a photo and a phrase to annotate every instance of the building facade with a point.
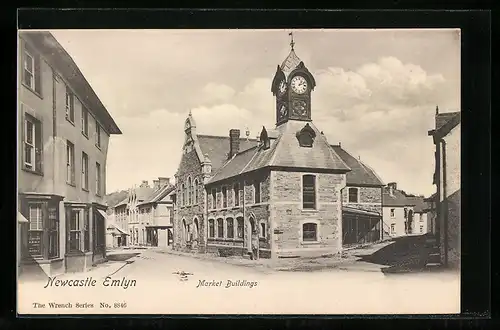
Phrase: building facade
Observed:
(276, 196)
(63, 132)
(405, 214)
(447, 178)
(144, 217)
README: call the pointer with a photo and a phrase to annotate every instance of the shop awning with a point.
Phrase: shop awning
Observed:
(21, 218)
(103, 213)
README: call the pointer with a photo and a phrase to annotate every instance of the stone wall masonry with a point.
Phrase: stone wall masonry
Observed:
(366, 194)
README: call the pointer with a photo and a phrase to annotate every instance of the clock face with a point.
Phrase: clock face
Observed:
(282, 87)
(299, 107)
(299, 84)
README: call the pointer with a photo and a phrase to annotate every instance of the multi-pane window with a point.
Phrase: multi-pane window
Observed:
(406, 212)
(353, 195)
(236, 190)
(211, 228)
(35, 234)
(214, 199)
(262, 230)
(309, 232)
(224, 196)
(189, 191)
(393, 228)
(220, 228)
(230, 228)
(75, 230)
(98, 182)
(309, 192)
(393, 213)
(97, 135)
(256, 190)
(70, 105)
(31, 69)
(421, 228)
(239, 228)
(70, 162)
(32, 144)
(85, 122)
(85, 171)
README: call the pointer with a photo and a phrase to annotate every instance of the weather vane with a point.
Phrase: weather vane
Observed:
(292, 43)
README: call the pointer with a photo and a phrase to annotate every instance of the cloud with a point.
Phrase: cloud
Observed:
(212, 93)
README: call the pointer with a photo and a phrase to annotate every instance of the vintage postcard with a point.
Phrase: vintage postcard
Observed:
(239, 171)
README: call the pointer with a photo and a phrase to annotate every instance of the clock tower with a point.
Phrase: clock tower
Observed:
(292, 86)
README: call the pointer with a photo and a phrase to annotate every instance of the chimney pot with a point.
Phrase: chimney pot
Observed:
(234, 142)
(156, 184)
(163, 181)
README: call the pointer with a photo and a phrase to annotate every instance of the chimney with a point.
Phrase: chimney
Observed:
(156, 184)
(144, 183)
(234, 142)
(392, 186)
(162, 181)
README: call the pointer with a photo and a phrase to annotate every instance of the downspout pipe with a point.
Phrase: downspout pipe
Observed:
(445, 203)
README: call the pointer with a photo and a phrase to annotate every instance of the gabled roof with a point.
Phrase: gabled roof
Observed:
(158, 194)
(217, 148)
(141, 194)
(55, 53)
(360, 173)
(445, 122)
(398, 198)
(115, 227)
(284, 152)
(420, 205)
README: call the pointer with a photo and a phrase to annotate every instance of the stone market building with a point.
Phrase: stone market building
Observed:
(63, 136)
(279, 195)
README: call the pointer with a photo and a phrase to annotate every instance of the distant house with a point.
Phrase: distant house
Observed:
(446, 137)
(143, 217)
(405, 214)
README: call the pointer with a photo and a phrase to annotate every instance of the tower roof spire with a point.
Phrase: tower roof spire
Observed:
(292, 43)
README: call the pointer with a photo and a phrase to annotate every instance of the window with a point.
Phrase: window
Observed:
(256, 189)
(35, 234)
(181, 195)
(236, 189)
(393, 213)
(421, 228)
(211, 228)
(262, 230)
(353, 195)
(309, 192)
(220, 228)
(97, 135)
(70, 105)
(239, 228)
(189, 192)
(31, 69)
(85, 122)
(43, 231)
(32, 144)
(309, 232)
(98, 183)
(306, 136)
(224, 196)
(85, 171)
(230, 228)
(406, 212)
(70, 163)
(195, 191)
(75, 231)
(214, 199)
(393, 228)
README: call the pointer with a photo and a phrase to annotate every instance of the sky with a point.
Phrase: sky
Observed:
(376, 93)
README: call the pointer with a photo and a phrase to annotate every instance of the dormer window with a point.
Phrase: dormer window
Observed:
(265, 143)
(306, 136)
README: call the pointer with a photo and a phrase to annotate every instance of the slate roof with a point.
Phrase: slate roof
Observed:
(217, 148)
(360, 173)
(158, 194)
(420, 205)
(445, 122)
(142, 193)
(398, 198)
(443, 118)
(284, 152)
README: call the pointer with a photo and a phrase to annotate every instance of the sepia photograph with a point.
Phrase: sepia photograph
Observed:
(227, 171)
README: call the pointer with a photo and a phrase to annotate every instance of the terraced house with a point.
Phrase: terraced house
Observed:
(280, 195)
(63, 137)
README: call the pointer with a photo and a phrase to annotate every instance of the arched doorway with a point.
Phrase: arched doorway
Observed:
(252, 237)
(196, 231)
(184, 231)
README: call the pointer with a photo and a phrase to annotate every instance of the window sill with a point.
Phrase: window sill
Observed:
(72, 184)
(309, 210)
(70, 121)
(40, 260)
(86, 135)
(85, 189)
(310, 242)
(32, 171)
(32, 90)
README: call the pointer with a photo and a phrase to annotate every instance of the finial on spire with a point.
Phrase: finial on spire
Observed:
(437, 110)
(292, 43)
